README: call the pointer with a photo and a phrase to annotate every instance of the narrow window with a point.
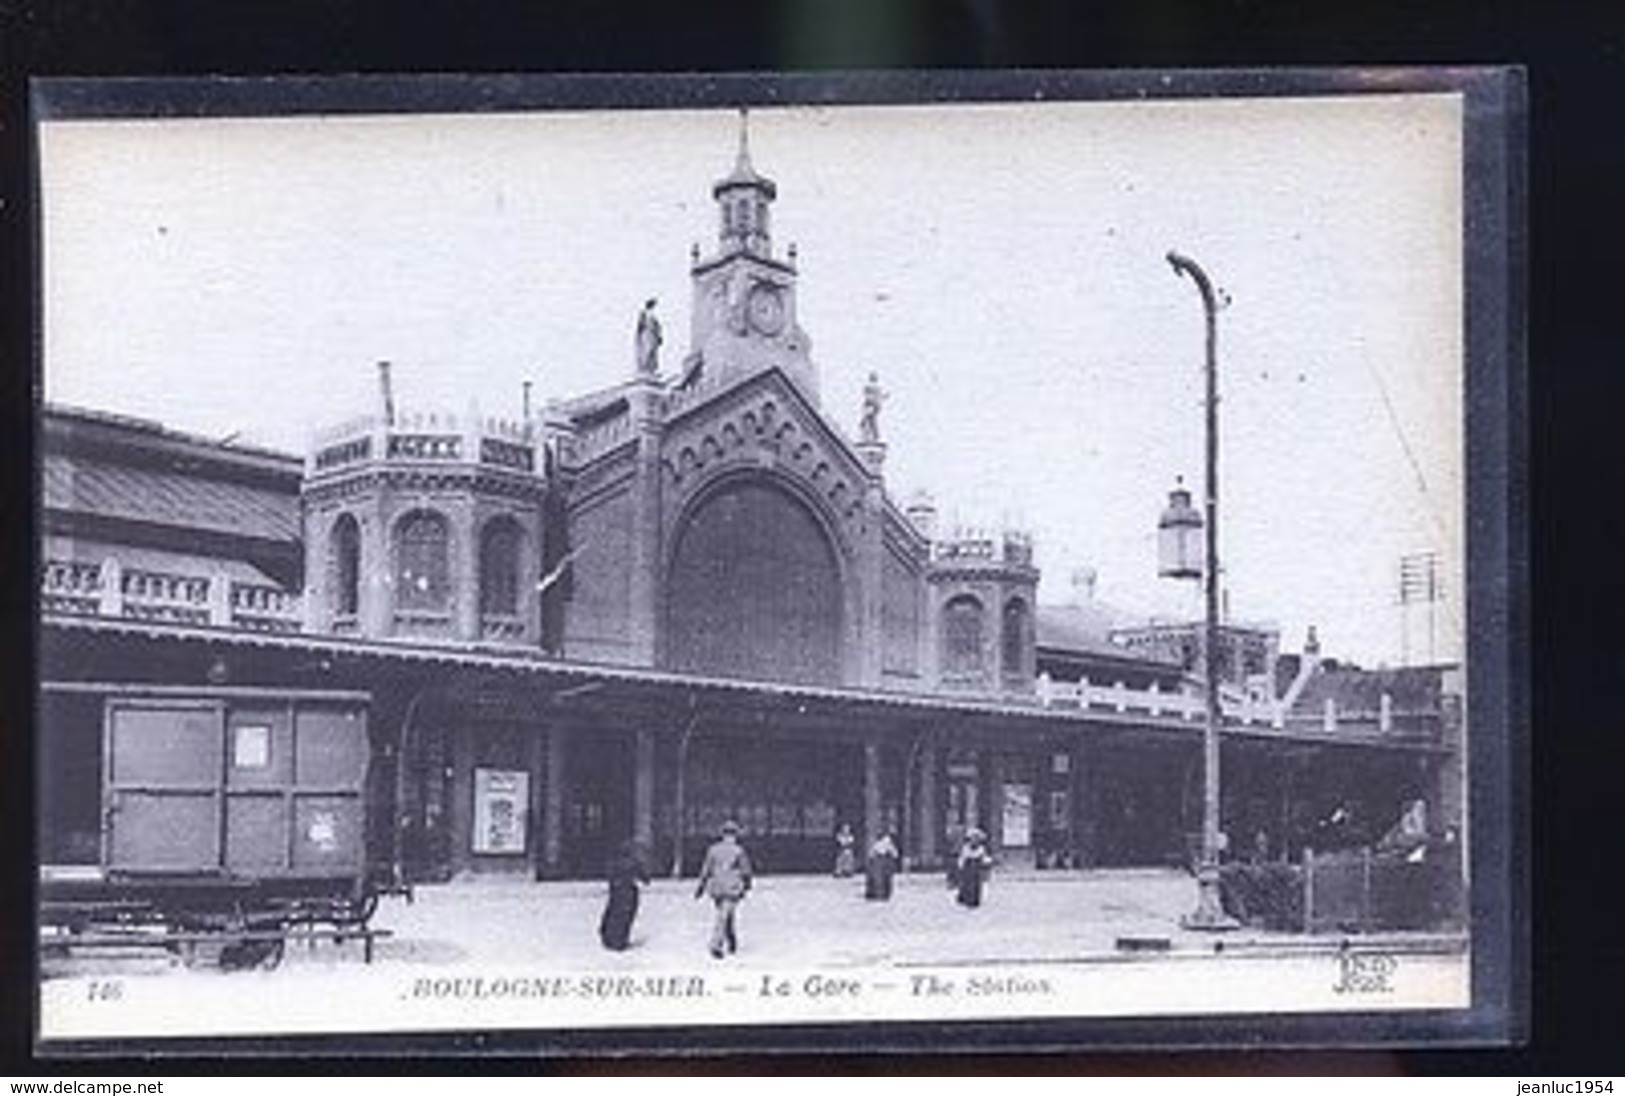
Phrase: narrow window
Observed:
(1015, 637)
(346, 566)
(421, 566)
(962, 635)
(499, 567)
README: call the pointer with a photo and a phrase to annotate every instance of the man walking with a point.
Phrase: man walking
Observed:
(725, 876)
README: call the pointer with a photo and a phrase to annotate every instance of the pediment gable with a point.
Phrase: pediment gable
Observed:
(763, 421)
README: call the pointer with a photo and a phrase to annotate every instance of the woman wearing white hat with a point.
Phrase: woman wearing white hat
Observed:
(973, 864)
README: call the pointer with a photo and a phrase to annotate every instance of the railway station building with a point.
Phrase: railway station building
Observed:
(686, 597)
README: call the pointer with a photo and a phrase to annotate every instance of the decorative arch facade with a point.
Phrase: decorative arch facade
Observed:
(983, 624)
(421, 539)
(757, 585)
(763, 428)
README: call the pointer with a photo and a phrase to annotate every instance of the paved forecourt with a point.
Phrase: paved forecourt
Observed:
(789, 920)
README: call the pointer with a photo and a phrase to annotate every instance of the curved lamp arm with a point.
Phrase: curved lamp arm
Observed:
(1182, 265)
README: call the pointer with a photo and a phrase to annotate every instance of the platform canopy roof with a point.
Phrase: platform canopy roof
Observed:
(82, 649)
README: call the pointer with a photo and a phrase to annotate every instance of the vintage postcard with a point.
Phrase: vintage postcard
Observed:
(761, 558)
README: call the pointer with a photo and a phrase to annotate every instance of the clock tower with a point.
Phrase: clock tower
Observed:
(744, 312)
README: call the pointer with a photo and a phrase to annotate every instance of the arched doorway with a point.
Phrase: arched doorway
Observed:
(754, 589)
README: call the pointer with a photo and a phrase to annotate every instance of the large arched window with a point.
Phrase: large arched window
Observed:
(754, 589)
(962, 636)
(346, 549)
(1014, 637)
(499, 567)
(421, 567)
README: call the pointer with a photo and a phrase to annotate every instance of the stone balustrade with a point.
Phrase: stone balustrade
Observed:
(425, 436)
(341, 453)
(965, 545)
(1190, 705)
(166, 596)
(594, 443)
(71, 586)
(425, 447)
(974, 547)
(264, 608)
(145, 593)
(507, 454)
(510, 430)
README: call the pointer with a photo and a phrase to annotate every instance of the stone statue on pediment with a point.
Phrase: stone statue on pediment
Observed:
(873, 397)
(648, 340)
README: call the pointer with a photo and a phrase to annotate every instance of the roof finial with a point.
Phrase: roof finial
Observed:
(742, 164)
(743, 174)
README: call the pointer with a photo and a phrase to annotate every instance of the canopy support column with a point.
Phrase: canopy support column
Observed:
(871, 792)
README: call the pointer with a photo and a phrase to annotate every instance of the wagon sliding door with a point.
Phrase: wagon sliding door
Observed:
(328, 794)
(164, 764)
(295, 781)
(259, 770)
(256, 788)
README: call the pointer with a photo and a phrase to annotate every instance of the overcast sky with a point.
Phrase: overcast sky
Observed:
(1001, 267)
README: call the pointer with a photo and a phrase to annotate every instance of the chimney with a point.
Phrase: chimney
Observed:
(386, 393)
(525, 401)
(1307, 668)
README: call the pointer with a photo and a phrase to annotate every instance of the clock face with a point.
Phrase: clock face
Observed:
(766, 309)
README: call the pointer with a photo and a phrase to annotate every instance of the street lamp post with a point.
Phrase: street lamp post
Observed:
(1209, 912)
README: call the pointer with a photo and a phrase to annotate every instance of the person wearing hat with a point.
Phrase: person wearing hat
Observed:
(973, 864)
(879, 869)
(725, 876)
(846, 859)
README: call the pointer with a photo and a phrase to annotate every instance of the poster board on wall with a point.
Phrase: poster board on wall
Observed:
(501, 811)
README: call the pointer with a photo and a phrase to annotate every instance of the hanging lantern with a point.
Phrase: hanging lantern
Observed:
(1179, 538)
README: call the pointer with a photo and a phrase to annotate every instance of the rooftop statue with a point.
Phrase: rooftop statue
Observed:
(648, 340)
(873, 397)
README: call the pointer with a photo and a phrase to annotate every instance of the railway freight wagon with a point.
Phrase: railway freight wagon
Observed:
(207, 822)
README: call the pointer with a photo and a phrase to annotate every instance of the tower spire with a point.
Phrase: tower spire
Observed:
(742, 161)
(744, 314)
(743, 198)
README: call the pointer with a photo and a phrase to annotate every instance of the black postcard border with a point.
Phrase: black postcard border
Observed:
(1498, 609)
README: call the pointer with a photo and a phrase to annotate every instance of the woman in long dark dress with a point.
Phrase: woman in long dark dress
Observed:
(879, 869)
(973, 864)
(626, 873)
(846, 859)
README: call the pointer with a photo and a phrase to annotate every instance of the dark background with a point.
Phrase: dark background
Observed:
(1575, 54)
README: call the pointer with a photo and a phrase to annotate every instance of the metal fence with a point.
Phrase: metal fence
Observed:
(1352, 891)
